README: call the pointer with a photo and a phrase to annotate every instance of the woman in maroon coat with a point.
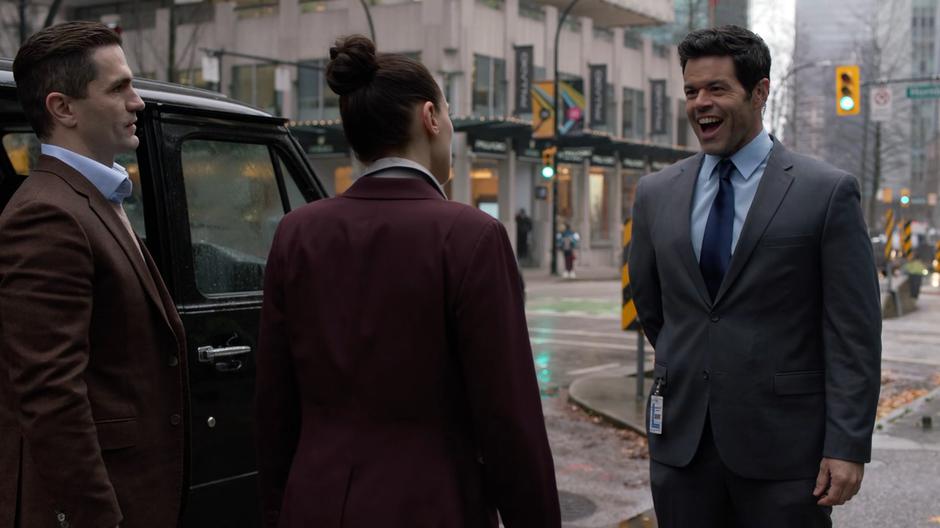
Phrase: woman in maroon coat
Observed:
(395, 378)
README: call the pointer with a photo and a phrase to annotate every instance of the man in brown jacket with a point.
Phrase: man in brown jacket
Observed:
(92, 380)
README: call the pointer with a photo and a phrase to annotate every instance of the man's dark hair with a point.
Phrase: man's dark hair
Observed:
(58, 59)
(748, 51)
(377, 93)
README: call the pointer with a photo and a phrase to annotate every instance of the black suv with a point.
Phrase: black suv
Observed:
(212, 178)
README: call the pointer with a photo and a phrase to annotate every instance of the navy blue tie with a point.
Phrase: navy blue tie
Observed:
(716, 244)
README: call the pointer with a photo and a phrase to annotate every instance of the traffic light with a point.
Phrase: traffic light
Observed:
(905, 197)
(548, 162)
(848, 90)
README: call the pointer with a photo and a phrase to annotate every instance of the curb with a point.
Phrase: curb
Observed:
(576, 397)
(885, 422)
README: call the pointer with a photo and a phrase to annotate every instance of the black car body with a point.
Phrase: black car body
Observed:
(212, 179)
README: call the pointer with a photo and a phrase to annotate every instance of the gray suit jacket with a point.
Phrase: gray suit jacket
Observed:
(786, 361)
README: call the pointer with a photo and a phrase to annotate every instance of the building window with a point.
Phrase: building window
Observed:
(573, 24)
(493, 4)
(315, 99)
(682, 124)
(489, 86)
(632, 39)
(255, 8)
(130, 15)
(634, 114)
(201, 12)
(603, 34)
(192, 77)
(254, 84)
(532, 10)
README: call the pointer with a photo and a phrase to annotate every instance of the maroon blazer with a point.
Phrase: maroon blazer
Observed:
(92, 402)
(395, 378)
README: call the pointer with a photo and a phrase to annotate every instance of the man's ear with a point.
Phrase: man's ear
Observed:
(429, 118)
(761, 92)
(59, 107)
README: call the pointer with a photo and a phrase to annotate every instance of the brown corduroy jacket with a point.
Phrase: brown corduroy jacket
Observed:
(92, 356)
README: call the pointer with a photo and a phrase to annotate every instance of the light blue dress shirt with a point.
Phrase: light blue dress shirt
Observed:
(112, 182)
(749, 163)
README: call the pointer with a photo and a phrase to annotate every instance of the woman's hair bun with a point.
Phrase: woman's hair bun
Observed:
(352, 64)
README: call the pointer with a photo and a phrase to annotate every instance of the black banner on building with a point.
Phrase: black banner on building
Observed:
(598, 95)
(525, 70)
(658, 110)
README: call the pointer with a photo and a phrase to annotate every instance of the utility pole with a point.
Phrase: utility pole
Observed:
(24, 25)
(171, 45)
(876, 176)
(554, 259)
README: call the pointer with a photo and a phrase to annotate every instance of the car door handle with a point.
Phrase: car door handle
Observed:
(208, 354)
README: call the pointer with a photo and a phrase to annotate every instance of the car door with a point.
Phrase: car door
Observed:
(226, 185)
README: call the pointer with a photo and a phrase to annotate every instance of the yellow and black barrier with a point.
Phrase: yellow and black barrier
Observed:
(889, 233)
(628, 316)
(936, 259)
(627, 308)
(907, 241)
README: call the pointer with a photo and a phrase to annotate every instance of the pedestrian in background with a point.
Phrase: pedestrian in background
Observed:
(754, 280)
(523, 235)
(395, 384)
(92, 351)
(567, 242)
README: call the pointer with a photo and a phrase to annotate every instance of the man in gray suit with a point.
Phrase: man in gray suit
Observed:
(754, 280)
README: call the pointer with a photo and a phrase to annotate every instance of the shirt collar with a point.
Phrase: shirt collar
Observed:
(112, 182)
(747, 159)
(389, 163)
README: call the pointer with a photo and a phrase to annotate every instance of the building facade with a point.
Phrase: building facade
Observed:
(271, 54)
(892, 40)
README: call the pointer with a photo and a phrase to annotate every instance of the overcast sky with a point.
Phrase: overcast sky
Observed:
(773, 20)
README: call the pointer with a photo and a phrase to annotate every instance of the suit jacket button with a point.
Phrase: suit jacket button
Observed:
(715, 318)
(175, 419)
(705, 375)
(60, 517)
(173, 361)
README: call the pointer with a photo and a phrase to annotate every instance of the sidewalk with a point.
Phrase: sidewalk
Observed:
(902, 482)
(601, 273)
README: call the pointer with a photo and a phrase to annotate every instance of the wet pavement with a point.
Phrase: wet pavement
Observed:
(578, 347)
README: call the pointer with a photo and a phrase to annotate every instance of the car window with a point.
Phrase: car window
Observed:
(22, 148)
(234, 207)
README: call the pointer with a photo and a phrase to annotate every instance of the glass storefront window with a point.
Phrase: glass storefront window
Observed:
(599, 203)
(254, 84)
(484, 186)
(315, 99)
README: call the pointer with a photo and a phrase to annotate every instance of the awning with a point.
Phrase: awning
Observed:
(320, 138)
(493, 128)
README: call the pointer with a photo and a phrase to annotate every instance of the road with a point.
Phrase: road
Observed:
(574, 330)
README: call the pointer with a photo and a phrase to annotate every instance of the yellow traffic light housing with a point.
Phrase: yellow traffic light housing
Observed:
(548, 162)
(905, 197)
(848, 90)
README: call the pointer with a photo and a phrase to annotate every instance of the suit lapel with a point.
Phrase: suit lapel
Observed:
(99, 205)
(685, 184)
(111, 221)
(770, 193)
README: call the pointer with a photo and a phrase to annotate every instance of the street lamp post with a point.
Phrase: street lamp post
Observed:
(554, 259)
